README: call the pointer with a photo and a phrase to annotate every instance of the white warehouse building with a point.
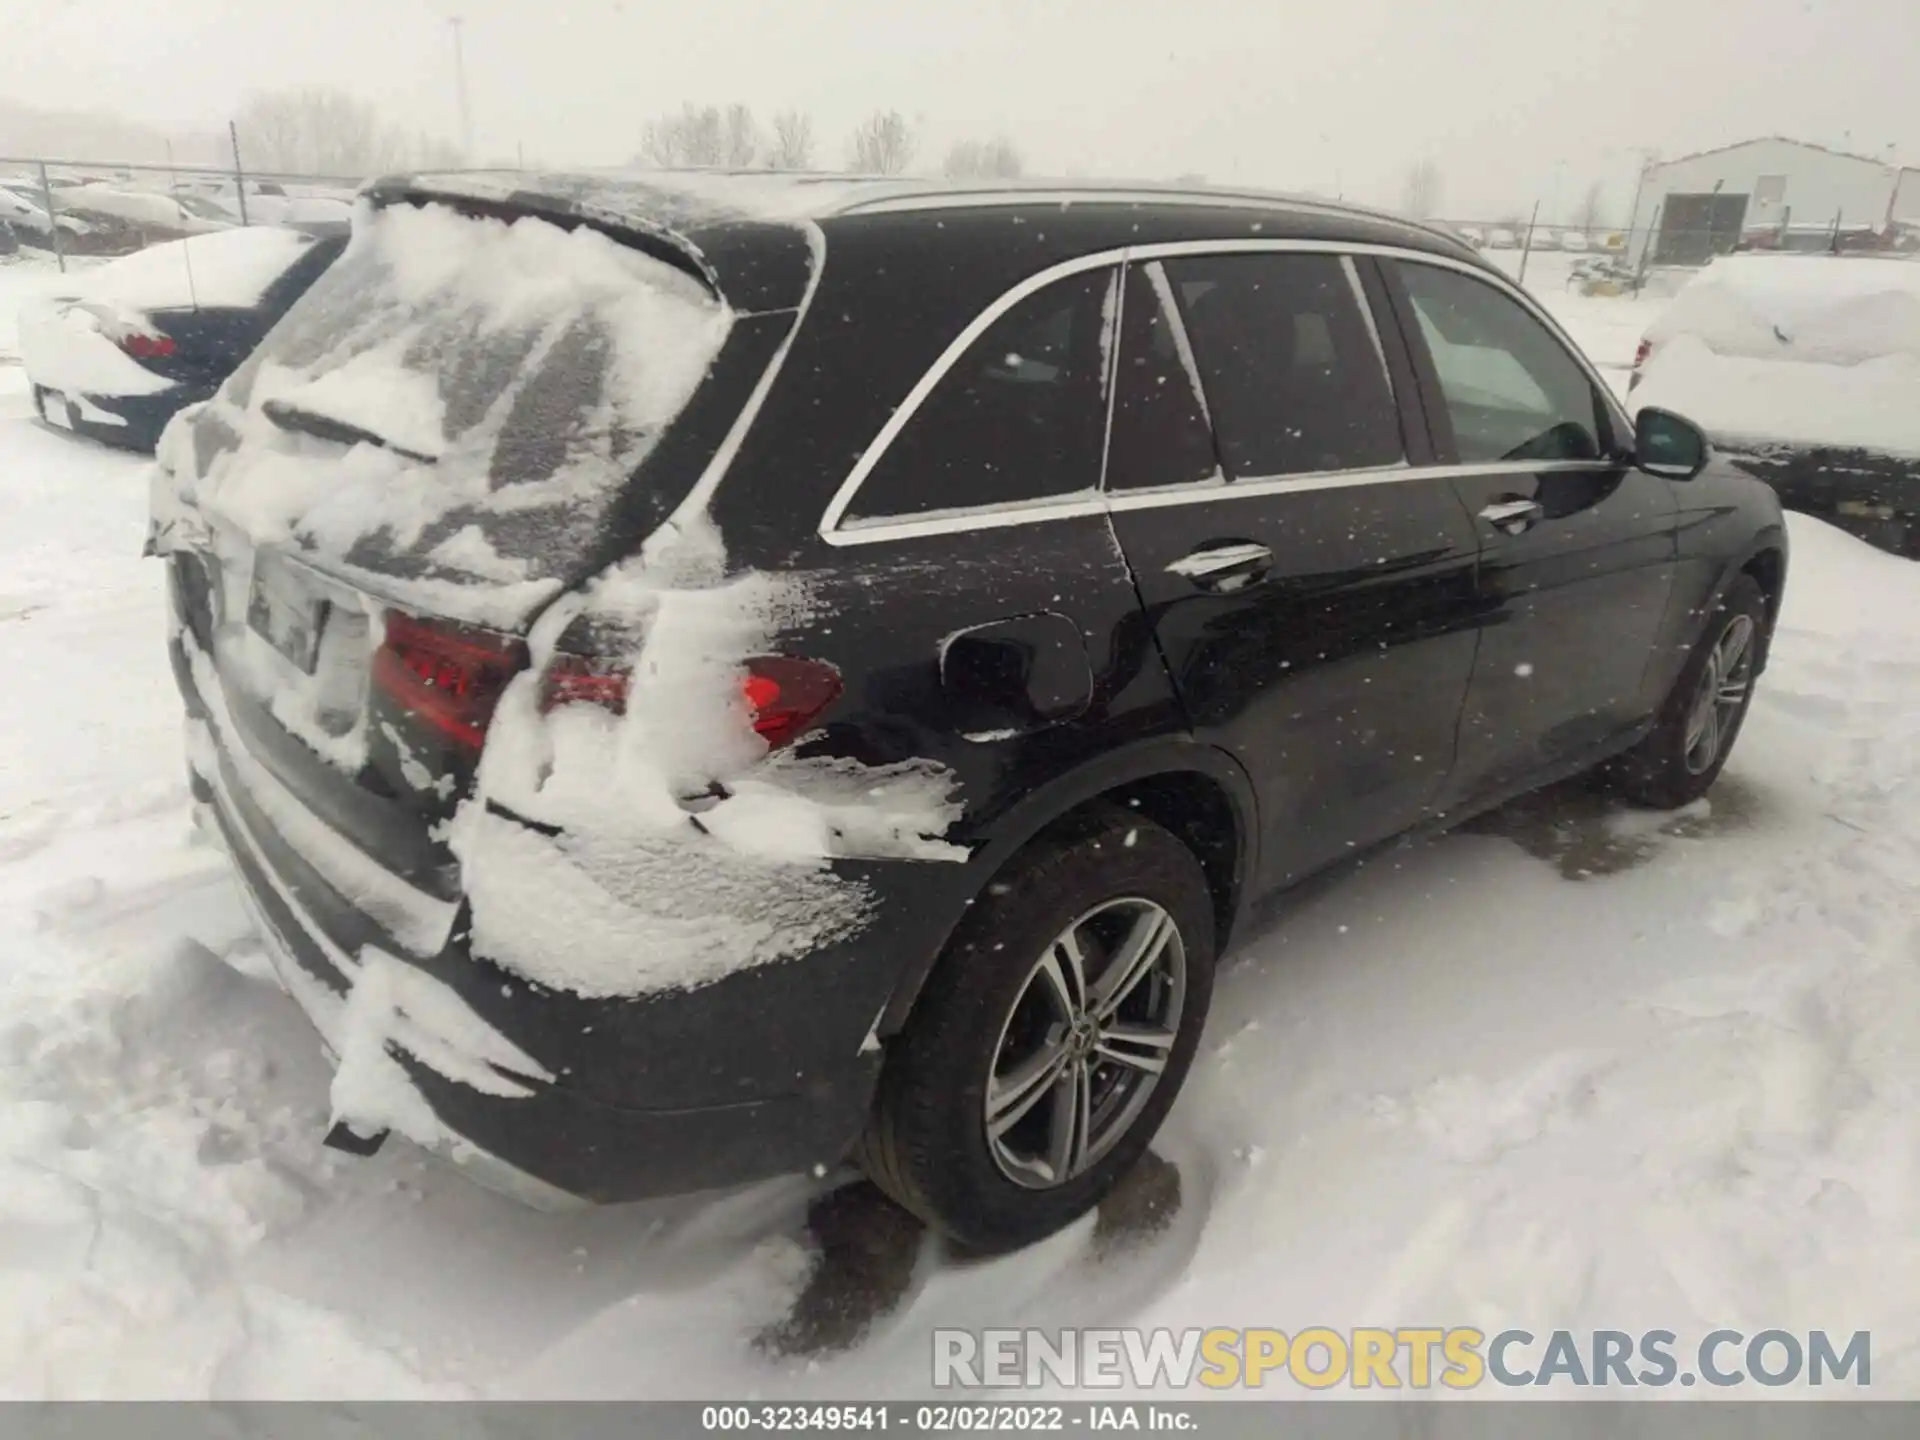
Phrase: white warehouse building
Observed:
(1697, 206)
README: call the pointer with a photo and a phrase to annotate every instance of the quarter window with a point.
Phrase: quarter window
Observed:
(1160, 434)
(1512, 391)
(1019, 417)
(1292, 374)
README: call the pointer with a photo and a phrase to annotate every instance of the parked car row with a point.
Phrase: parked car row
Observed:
(118, 217)
(1545, 237)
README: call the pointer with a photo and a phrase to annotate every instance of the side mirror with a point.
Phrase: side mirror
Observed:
(1669, 445)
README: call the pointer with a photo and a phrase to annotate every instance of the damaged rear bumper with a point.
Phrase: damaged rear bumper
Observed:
(764, 1073)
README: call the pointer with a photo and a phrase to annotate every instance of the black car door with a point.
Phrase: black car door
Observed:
(1577, 545)
(1311, 592)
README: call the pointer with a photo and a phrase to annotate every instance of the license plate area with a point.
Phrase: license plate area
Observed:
(285, 613)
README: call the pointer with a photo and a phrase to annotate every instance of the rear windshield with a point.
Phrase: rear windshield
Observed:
(458, 399)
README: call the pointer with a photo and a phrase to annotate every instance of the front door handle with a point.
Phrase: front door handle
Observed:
(1224, 567)
(1512, 514)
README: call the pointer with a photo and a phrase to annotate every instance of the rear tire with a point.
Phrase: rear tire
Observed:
(1678, 763)
(1029, 1035)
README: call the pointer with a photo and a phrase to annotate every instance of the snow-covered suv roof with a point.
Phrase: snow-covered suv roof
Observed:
(726, 225)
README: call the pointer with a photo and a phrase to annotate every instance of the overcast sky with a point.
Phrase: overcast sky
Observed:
(1514, 99)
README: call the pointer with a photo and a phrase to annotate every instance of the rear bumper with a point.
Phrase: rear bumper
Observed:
(127, 422)
(763, 1073)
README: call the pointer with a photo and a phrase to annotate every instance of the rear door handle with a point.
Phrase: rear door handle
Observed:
(1224, 567)
(1512, 514)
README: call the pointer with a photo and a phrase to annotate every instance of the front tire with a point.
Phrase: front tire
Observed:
(1051, 1039)
(1679, 761)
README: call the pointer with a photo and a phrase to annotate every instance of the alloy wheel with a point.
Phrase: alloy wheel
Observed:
(1085, 1043)
(1722, 692)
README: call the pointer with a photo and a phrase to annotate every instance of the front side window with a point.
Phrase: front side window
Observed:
(1019, 417)
(1291, 371)
(1512, 391)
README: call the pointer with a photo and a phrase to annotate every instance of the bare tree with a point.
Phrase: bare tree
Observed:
(792, 141)
(1591, 213)
(696, 136)
(996, 159)
(1421, 195)
(883, 144)
(742, 139)
(318, 131)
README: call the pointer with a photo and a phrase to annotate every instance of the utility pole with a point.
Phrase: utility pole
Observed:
(239, 175)
(455, 22)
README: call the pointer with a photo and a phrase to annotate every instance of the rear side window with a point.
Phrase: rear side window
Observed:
(1161, 435)
(1018, 418)
(1512, 391)
(1292, 372)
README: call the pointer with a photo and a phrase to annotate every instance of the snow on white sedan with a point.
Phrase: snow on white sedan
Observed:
(1807, 369)
(118, 352)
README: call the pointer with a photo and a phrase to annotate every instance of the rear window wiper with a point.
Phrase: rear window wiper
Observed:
(326, 427)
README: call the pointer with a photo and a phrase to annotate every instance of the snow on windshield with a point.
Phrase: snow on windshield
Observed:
(454, 400)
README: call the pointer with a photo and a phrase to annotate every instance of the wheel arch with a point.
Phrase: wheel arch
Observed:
(1198, 792)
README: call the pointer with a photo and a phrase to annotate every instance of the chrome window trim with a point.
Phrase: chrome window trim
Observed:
(1373, 329)
(830, 523)
(836, 531)
(1169, 304)
(1340, 480)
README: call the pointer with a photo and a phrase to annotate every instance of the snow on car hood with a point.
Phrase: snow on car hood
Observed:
(455, 401)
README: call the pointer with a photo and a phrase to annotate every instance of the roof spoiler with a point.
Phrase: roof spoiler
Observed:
(661, 243)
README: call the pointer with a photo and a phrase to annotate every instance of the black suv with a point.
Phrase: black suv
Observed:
(709, 676)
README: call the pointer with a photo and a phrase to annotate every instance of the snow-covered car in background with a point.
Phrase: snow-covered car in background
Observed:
(1806, 368)
(1473, 235)
(707, 677)
(1544, 239)
(1575, 241)
(23, 210)
(145, 216)
(116, 352)
(1500, 237)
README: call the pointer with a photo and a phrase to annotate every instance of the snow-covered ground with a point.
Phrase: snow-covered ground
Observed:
(1576, 1068)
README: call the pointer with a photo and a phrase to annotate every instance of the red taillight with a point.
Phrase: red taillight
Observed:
(1640, 355)
(783, 695)
(148, 347)
(448, 675)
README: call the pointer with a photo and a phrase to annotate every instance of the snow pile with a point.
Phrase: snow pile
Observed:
(1804, 349)
(453, 377)
(684, 851)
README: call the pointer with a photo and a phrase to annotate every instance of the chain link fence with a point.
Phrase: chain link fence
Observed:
(112, 207)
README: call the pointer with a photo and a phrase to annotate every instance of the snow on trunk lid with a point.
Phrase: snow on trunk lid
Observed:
(448, 415)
